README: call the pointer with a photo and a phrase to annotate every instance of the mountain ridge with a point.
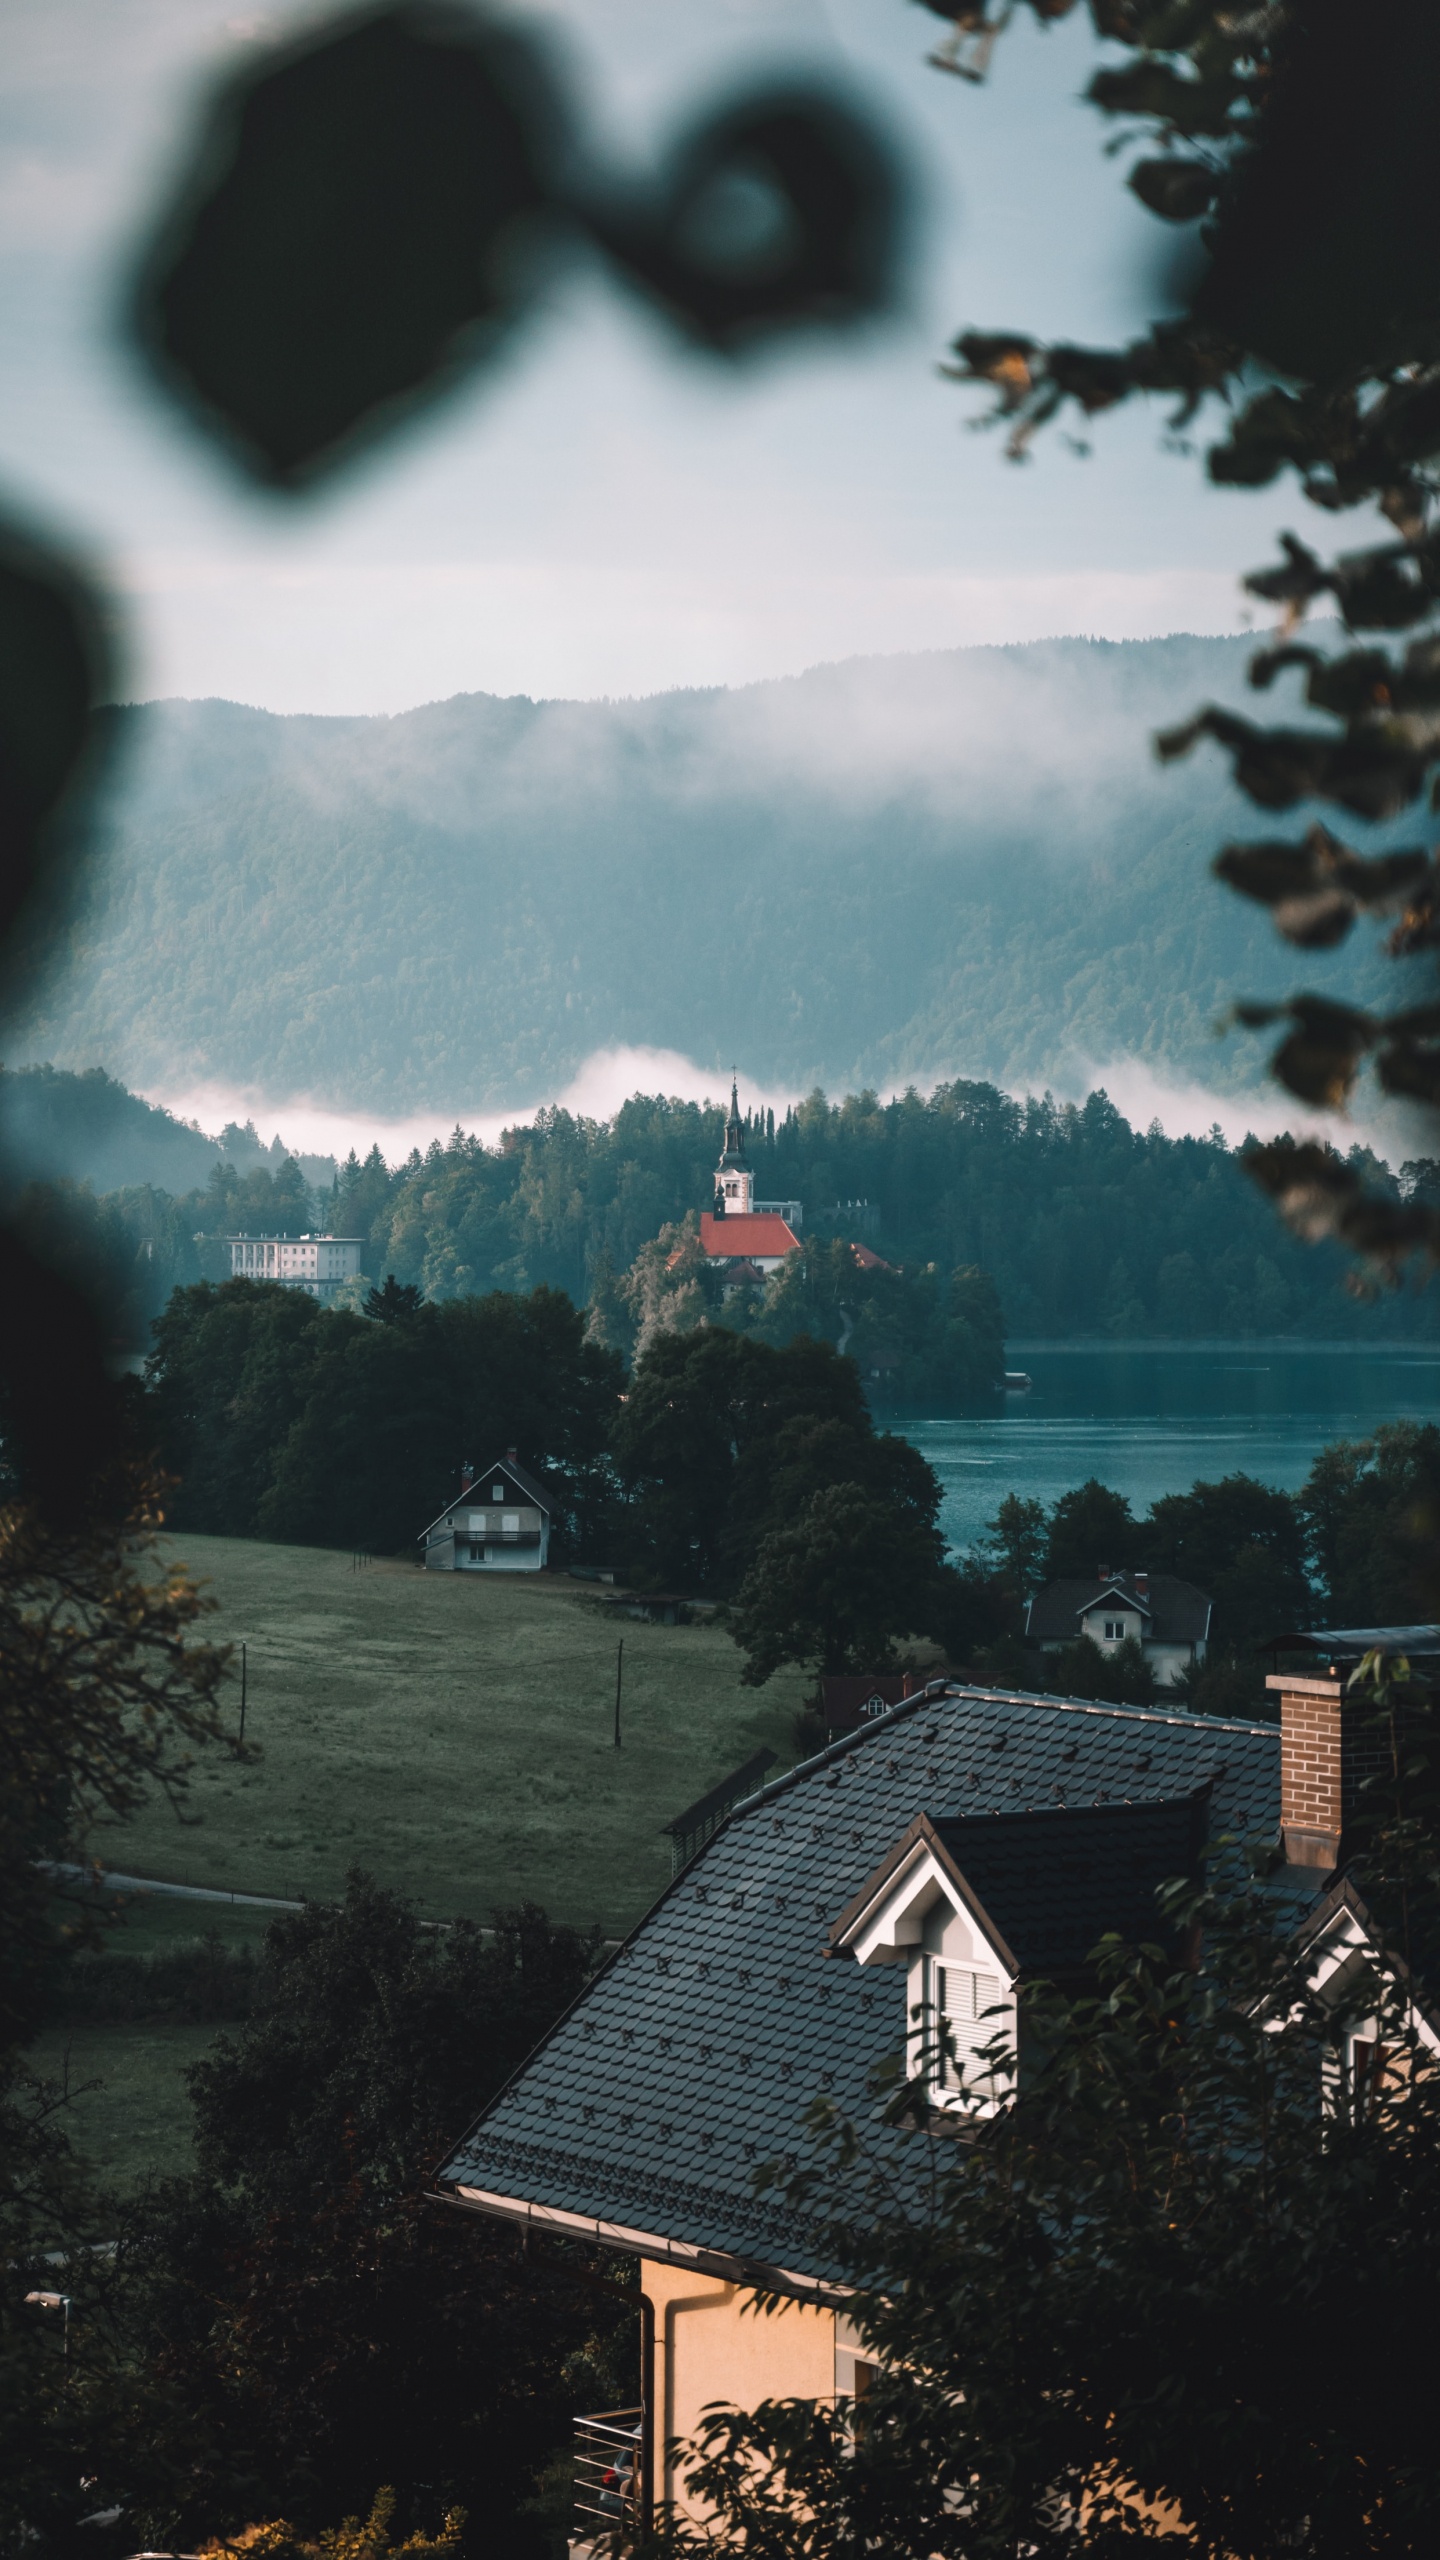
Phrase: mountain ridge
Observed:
(883, 869)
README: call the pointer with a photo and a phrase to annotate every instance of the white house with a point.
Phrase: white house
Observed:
(314, 1263)
(499, 1522)
(1169, 1619)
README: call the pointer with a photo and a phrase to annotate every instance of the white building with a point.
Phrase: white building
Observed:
(314, 1263)
(1168, 1619)
(499, 1522)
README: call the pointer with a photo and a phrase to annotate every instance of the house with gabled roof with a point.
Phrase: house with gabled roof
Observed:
(499, 1522)
(1168, 1618)
(888, 1897)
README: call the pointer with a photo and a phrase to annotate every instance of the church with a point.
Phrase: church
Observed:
(742, 1234)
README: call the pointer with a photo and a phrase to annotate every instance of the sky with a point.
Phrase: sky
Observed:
(608, 515)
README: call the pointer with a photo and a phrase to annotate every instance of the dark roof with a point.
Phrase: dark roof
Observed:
(694, 2055)
(729, 1791)
(519, 1476)
(1055, 1882)
(1177, 1611)
(1346, 1644)
(846, 1692)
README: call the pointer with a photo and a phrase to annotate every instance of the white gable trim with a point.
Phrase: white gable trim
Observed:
(1337, 1951)
(922, 1913)
(892, 1927)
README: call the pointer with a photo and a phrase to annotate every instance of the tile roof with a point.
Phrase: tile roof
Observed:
(1054, 1882)
(1177, 1612)
(696, 2052)
(731, 1237)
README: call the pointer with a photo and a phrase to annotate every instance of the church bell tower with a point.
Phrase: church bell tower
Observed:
(734, 1181)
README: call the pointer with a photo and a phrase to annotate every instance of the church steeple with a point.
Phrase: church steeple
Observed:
(734, 1181)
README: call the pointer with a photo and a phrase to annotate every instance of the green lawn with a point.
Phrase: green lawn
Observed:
(129, 2113)
(452, 1733)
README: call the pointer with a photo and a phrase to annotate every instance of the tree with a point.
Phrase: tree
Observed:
(1372, 1512)
(376, 2038)
(288, 1420)
(1015, 1543)
(316, 2330)
(1244, 1543)
(229, 1374)
(836, 1586)
(104, 1696)
(1092, 1530)
(105, 1693)
(394, 1303)
(1084, 1669)
(1325, 376)
(703, 1406)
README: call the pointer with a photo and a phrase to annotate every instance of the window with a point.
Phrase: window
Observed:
(1114, 1630)
(961, 1998)
(497, 1493)
(509, 1520)
(1367, 2069)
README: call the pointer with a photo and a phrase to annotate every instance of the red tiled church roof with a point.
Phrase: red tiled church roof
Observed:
(732, 1238)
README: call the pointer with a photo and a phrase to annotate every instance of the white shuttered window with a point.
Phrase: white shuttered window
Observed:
(961, 1998)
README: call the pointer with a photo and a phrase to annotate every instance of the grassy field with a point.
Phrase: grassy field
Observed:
(451, 1733)
(129, 2113)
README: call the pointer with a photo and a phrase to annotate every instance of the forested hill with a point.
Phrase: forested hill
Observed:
(1085, 1225)
(967, 863)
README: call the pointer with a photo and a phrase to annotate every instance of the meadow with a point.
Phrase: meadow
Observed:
(453, 1735)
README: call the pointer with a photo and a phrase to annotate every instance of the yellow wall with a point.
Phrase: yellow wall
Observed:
(712, 2344)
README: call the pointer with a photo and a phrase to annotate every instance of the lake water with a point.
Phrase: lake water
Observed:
(1149, 1420)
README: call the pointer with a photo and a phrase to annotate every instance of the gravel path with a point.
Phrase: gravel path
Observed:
(110, 1881)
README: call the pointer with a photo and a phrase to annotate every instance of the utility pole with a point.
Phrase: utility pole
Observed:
(619, 1669)
(242, 1691)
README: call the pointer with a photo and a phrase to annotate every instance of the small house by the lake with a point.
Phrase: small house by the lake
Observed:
(1168, 1619)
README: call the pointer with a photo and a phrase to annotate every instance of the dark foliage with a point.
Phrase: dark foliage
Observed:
(836, 1584)
(723, 1439)
(1355, 1547)
(106, 1693)
(1337, 293)
(287, 1420)
(208, 1984)
(365, 216)
(314, 2329)
(377, 2040)
(1371, 1510)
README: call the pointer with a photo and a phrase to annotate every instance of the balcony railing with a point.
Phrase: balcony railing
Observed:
(608, 2462)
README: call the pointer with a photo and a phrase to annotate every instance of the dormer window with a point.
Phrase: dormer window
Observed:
(1114, 1630)
(497, 1493)
(919, 1911)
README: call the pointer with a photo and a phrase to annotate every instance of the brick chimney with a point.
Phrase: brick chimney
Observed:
(510, 1457)
(1328, 1748)
(1142, 1584)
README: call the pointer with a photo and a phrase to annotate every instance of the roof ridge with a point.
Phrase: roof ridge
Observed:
(934, 1696)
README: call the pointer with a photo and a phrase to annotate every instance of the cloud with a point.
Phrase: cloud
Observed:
(607, 1078)
(611, 1076)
